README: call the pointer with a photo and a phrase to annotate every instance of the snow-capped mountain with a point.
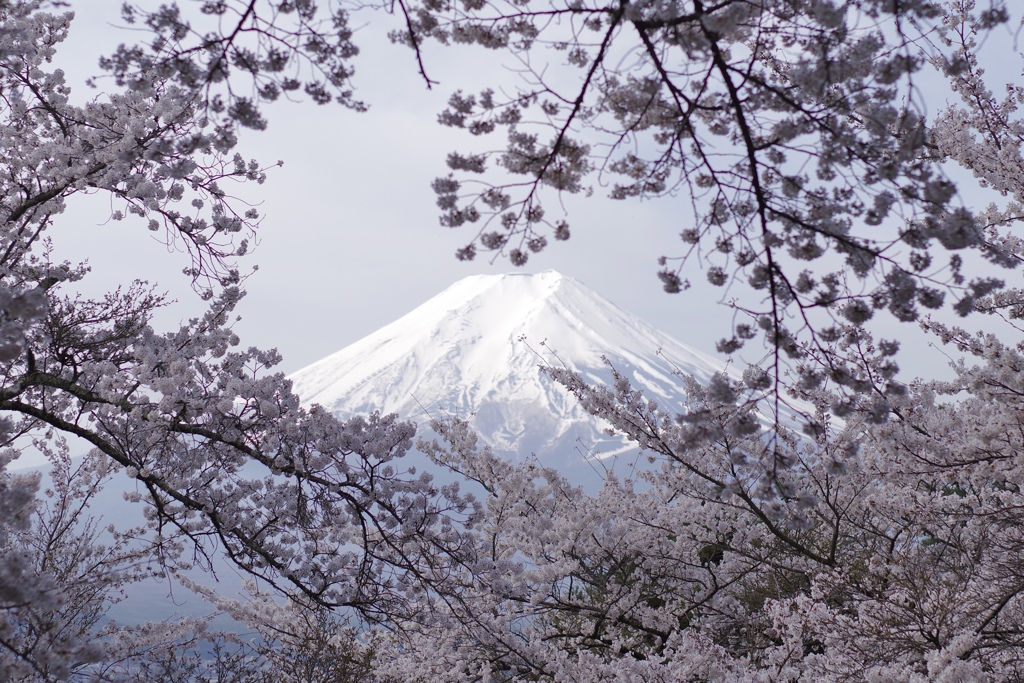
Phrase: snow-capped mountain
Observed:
(473, 351)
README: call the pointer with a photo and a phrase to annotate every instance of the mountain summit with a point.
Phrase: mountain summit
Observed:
(473, 351)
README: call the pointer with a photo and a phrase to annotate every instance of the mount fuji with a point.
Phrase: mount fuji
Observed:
(474, 351)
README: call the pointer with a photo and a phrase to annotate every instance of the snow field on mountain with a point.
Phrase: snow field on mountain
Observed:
(473, 351)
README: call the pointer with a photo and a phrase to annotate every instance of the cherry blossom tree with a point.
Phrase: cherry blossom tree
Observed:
(880, 552)
(223, 457)
(880, 543)
(797, 131)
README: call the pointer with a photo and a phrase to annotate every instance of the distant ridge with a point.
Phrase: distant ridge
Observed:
(473, 351)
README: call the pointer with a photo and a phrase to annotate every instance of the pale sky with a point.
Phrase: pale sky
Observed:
(350, 240)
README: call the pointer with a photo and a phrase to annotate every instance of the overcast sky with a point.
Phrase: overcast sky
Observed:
(350, 240)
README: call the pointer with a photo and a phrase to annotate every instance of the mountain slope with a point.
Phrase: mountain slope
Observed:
(474, 350)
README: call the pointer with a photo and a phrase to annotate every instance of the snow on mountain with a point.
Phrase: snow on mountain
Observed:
(473, 351)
